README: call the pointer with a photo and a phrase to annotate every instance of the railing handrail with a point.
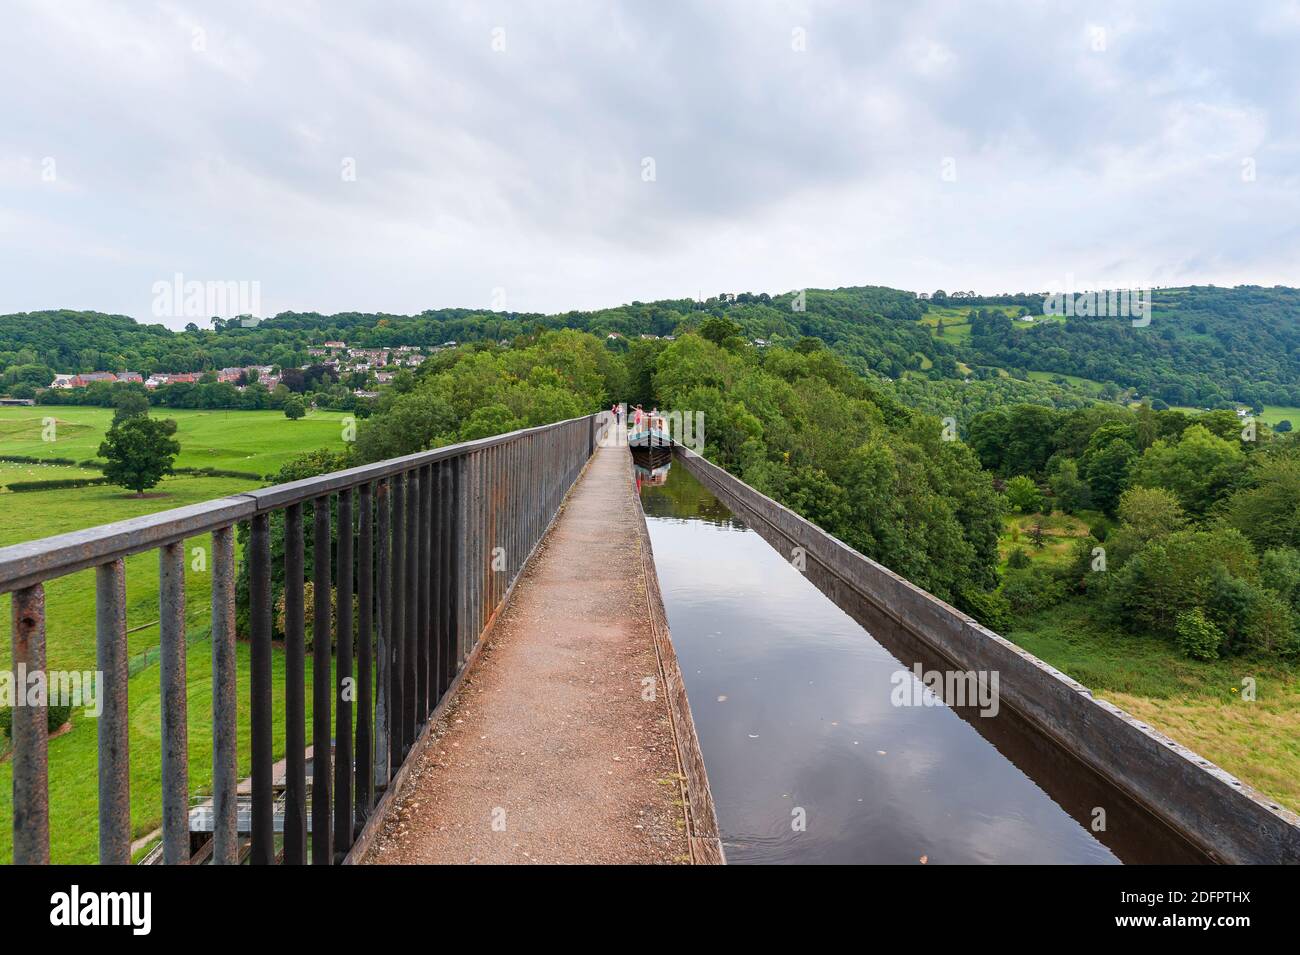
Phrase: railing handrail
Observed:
(424, 547)
(58, 555)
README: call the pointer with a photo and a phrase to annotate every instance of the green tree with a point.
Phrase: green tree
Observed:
(1023, 495)
(1106, 465)
(1196, 636)
(1268, 509)
(412, 422)
(294, 408)
(1279, 569)
(139, 451)
(487, 421)
(1036, 536)
(1201, 468)
(1150, 513)
(129, 403)
(1070, 490)
(721, 331)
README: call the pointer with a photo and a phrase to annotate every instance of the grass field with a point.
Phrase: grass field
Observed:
(1198, 704)
(258, 442)
(1191, 701)
(1271, 415)
(1275, 413)
(956, 327)
(1060, 531)
(254, 441)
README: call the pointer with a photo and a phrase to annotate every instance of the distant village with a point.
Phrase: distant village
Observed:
(379, 364)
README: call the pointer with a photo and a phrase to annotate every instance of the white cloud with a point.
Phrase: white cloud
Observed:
(776, 168)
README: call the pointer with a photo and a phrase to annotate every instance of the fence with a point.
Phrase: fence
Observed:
(426, 547)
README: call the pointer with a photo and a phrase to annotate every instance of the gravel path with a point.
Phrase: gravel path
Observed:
(550, 753)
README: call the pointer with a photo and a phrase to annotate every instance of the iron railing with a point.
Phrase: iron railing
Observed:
(426, 546)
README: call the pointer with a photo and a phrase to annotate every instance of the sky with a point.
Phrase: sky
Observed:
(335, 156)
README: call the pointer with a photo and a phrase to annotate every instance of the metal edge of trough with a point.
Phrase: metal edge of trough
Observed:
(375, 821)
(702, 834)
(1228, 819)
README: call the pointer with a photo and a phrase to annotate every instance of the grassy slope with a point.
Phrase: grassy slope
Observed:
(1198, 704)
(255, 441)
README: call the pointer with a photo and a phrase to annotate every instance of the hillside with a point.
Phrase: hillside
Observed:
(1204, 347)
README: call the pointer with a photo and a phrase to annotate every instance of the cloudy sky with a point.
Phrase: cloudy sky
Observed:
(550, 156)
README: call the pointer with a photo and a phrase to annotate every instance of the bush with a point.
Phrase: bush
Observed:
(55, 716)
(20, 486)
(218, 472)
(1196, 637)
(988, 607)
(1279, 569)
(1032, 589)
(28, 459)
(1017, 559)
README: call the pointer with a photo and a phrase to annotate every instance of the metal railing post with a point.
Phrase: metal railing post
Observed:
(115, 717)
(225, 701)
(343, 681)
(30, 734)
(175, 736)
(295, 694)
(411, 655)
(365, 792)
(383, 648)
(259, 599)
(322, 684)
(397, 649)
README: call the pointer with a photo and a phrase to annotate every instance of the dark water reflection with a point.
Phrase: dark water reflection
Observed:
(791, 696)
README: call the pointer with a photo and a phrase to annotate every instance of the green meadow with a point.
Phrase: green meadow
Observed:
(956, 322)
(253, 441)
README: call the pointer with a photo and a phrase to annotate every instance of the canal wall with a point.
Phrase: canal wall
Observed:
(1208, 806)
(702, 818)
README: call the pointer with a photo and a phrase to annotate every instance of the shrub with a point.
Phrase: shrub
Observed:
(28, 459)
(1017, 559)
(21, 486)
(55, 716)
(1197, 637)
(1279, 569)
(988, 607)
(218, 472)
(1032, 589)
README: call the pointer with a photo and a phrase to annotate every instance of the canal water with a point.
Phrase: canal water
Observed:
(816, 749)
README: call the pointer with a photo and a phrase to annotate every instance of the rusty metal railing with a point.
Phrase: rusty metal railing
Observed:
(425, 547)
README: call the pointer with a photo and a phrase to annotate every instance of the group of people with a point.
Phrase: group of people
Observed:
(638, 415)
